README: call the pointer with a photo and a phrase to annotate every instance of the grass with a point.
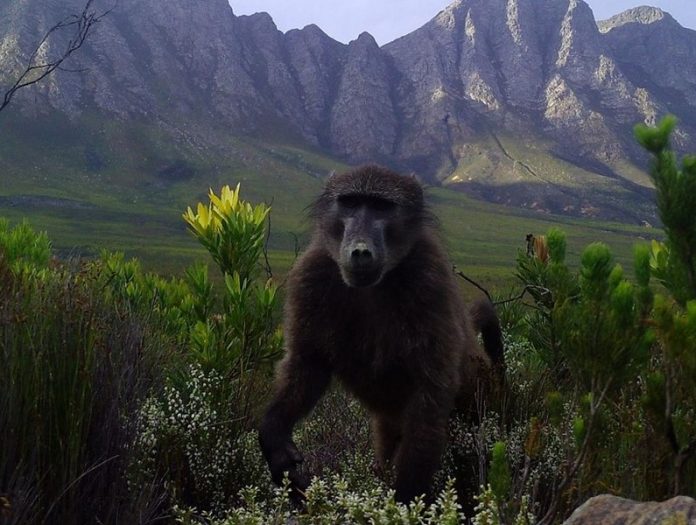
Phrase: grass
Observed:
(483, 239)
(104, 189)
(517, 166)
(73, 370)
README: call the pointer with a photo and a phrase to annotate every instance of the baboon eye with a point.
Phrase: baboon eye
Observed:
(382, 204)
(350, 201)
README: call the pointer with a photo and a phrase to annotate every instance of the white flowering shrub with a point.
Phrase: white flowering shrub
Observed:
(330, 501)
(189, 440)
(537, 433)
(488, 510)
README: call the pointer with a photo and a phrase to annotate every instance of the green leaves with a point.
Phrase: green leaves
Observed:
(656, 139)
(595, 271)
(601, 329)
(499, 474)
(556, 240)
(676, 202)
(669, 395)
(24, 250)
(243, 335)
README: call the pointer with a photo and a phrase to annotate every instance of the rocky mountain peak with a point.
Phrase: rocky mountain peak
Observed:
(311, 29)
(365, 40)
(638, 15)
(450, 15)
(262, 21)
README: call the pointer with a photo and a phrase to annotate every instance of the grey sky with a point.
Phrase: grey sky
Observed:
(389, 19)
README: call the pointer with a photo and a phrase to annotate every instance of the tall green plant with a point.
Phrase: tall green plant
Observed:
(671, 389)
(23, 249)
(232, 230)
(71, 368)
(193, 434)
(244, 333)
(588, 328)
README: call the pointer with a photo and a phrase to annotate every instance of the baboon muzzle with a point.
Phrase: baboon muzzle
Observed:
(364, 267)
(361, 256)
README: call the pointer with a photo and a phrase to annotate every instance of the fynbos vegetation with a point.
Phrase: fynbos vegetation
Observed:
(127, 397)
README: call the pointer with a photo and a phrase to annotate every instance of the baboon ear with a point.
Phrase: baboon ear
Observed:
(415, 177)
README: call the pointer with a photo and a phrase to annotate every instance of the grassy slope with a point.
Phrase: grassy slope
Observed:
(123, 205)
(505, 161)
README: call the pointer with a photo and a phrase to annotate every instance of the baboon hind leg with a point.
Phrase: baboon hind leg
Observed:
(386, 436)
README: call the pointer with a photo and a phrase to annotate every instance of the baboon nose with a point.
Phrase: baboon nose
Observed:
(361, 255)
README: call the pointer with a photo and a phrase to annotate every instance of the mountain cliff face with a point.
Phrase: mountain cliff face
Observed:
(526, 102)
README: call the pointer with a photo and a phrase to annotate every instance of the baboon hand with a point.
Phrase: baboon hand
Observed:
(286, 458)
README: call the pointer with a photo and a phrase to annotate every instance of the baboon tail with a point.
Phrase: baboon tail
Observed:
(487, 324)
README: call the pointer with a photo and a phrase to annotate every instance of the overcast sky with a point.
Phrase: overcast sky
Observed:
(386, 20)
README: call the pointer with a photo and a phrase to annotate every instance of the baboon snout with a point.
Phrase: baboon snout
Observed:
(361, 255)
(361, 264)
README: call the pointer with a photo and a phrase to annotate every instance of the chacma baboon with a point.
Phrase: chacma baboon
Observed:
(529, 240)
(374, 302)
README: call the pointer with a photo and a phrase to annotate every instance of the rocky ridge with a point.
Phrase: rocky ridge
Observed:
(525, 102)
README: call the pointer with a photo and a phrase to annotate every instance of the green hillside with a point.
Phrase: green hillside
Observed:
(124, 188)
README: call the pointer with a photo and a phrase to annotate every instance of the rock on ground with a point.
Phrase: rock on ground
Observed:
(612, 510)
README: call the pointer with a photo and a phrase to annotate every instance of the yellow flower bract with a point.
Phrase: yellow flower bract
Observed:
(209, 219)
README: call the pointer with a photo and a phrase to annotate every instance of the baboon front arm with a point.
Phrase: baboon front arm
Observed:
(299, 385)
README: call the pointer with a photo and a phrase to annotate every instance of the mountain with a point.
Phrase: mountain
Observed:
(523, 102)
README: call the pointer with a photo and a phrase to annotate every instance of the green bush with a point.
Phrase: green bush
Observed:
(188, 439)
(606, 377)
(23, 249)
(189, 434)
(113, 372)
(670, 399)
(71, 367)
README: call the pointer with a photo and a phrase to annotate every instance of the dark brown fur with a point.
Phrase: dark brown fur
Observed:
(405, 346)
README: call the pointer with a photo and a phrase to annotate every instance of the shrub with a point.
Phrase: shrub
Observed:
(606, 369)
(670, 396)
(70, 369)
(188, 439)
(190, 435)
(330, 501)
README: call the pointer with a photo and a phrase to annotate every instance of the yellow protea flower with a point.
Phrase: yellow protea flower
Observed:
(227, 202)
(203, 221)
(231, 229)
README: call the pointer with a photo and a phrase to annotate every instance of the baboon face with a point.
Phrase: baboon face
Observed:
(369, 220)
(361, 229)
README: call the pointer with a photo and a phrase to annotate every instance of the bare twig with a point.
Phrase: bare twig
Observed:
(579, 459)
(81, 25)
(471, 281)
(296, 245)
(528, 288)
(267, 262)
(74, 482)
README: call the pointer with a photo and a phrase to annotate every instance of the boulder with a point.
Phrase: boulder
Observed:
(612, 510)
